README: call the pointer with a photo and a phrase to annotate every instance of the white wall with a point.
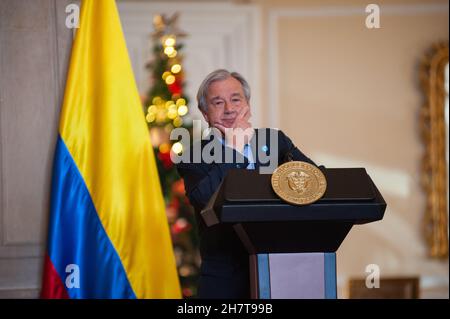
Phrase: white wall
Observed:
(350, 97)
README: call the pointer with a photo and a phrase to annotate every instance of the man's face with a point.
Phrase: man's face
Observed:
(225, 100)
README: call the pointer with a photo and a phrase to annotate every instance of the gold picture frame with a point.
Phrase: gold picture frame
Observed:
(434, 166)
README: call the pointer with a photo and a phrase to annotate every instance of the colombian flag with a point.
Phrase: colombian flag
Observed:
(108, 231)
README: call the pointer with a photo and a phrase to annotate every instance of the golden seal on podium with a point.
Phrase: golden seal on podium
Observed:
(299, 183)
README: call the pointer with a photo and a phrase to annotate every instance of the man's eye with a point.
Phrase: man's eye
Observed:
(219, 103)
(236, 100)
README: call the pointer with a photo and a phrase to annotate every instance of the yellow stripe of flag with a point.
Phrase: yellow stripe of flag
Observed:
(103, 126)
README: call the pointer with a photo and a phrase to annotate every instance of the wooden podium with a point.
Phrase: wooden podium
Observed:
(292, 249)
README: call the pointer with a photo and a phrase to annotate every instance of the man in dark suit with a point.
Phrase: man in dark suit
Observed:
(223, 98)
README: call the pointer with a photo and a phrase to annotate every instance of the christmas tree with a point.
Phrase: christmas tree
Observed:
(166, 108)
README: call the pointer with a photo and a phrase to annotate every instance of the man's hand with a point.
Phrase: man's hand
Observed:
(240, 133)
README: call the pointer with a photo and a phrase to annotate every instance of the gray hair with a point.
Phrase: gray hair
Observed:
(219, 75)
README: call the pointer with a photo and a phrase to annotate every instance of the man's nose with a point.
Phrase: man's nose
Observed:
(228, 107)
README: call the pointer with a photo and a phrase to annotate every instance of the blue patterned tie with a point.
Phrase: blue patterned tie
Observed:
(249, 155)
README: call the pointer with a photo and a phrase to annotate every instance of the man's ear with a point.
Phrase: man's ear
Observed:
(205, 116)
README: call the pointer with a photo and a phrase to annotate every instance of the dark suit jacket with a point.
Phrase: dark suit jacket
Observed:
(225, 268)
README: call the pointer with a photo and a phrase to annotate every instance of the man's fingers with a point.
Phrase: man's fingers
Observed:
(220, 127)
(242, 113)
(242, 118)
(248, 114)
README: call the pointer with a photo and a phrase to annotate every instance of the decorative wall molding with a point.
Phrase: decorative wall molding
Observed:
(220, 35)
(31, 91)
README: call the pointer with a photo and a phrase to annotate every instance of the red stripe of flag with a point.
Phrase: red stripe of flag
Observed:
(52, 285)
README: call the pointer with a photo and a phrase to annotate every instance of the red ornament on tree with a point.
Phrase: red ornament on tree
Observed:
(175, 87)
(165, 159)
(181, 225)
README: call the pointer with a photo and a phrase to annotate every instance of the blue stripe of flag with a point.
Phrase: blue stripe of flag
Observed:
(76, 235)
